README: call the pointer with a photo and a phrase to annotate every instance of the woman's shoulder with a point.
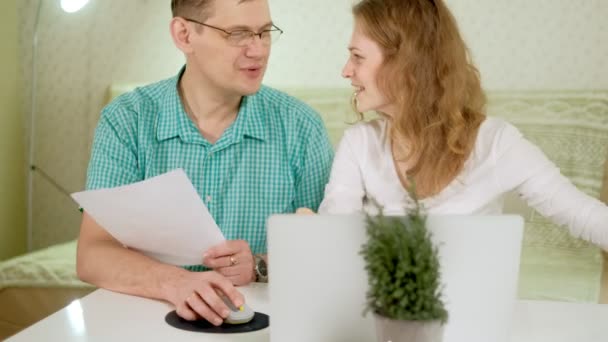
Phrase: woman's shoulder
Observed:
(496, 130)
(493, 125)
(495, 136)
(372, 131)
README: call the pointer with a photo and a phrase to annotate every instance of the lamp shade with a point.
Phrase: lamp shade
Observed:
(72, 6)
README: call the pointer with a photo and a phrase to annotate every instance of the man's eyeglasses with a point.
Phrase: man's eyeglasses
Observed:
(244, 37)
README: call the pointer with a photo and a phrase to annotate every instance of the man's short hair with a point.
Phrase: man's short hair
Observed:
(198, 9)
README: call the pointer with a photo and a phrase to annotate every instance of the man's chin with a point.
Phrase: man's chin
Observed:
(251, 89)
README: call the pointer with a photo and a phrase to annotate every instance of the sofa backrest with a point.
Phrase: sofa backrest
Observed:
(570, 127)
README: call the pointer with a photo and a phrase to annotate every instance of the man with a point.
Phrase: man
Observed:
(249, 150)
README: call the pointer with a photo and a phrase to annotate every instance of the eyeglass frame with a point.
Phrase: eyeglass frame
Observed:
(247, 40)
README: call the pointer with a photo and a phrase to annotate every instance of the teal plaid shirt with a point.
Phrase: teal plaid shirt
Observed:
(274, 158)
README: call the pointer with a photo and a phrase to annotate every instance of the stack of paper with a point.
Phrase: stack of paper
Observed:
(163, 217)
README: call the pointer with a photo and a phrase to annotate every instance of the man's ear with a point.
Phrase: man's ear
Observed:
(180, 33)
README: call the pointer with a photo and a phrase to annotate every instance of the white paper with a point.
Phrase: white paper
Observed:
(162, 217)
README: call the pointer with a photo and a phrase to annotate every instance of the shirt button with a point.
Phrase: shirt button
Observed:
(208, 198)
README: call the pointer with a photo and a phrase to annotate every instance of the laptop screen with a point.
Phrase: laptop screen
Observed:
(318, 282)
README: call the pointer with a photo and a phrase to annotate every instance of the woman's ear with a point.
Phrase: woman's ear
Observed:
(180, 33)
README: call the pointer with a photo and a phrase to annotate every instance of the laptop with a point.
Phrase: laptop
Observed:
(318, 281)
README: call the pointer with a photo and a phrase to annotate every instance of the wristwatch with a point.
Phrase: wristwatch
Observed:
(261, 271)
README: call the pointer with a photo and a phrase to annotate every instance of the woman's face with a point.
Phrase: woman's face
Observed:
(362, 68)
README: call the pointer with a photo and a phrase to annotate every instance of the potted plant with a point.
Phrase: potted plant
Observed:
(404, 277)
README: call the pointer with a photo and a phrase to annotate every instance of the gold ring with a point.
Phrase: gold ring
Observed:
(233, 261)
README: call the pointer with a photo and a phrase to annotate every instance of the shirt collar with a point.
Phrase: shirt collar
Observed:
(173, 120)
(249, 122)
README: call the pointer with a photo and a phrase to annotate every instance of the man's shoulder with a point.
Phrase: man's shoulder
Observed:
(285, 107)
(141, 100)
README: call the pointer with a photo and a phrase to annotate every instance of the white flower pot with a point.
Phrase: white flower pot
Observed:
(389, 330)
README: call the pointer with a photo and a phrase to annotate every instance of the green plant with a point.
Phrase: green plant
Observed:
(403, 267)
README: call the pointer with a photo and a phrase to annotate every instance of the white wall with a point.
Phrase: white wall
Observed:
(312, 50)
(517, 44)
(540, 44)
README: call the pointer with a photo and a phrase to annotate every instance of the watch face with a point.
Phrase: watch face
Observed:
(262, 268)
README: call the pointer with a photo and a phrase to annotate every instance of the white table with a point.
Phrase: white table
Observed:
(109, 316)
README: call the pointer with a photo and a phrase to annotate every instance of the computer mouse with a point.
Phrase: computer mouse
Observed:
(240, 315)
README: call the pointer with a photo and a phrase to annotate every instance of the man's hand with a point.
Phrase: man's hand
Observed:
(233, 259)
(197, 294)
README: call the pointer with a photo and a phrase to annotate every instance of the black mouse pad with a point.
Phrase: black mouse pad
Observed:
(259, 322)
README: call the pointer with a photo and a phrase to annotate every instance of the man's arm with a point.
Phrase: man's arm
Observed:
(104, 262)
(315, 160)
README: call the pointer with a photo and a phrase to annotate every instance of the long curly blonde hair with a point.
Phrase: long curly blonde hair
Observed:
(428, 75)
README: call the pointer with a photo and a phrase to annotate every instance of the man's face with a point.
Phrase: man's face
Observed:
(233, 70)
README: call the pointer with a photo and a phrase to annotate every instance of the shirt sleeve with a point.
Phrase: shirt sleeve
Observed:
(114, 152)
(315, 164)
(523, 166)
(345, 192)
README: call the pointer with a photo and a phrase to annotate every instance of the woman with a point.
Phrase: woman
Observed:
(409, 63)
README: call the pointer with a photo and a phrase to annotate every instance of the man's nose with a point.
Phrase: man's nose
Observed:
(256, 47)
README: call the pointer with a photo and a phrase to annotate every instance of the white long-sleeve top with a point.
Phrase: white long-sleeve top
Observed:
(502, 160)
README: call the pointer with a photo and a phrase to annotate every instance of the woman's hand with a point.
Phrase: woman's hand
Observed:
(304, 211)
